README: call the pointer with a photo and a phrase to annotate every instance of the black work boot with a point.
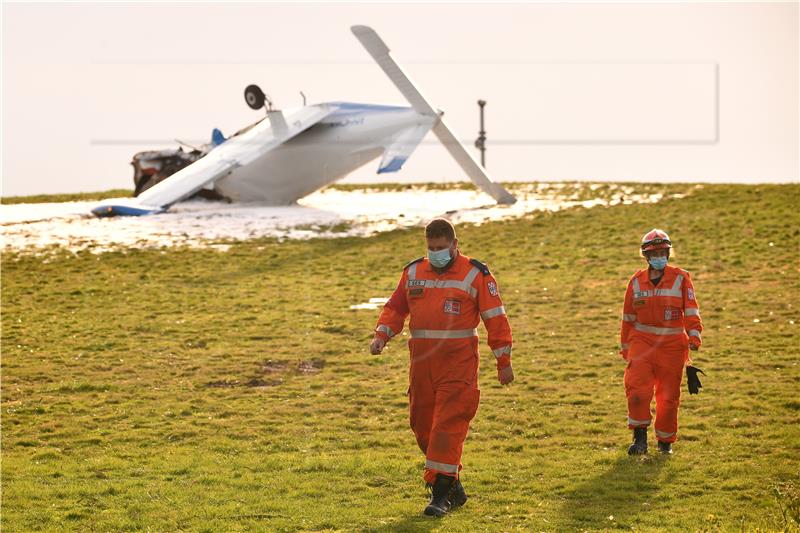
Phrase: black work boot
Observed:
(440, 490)
(457, 495)
(665, 447)
(639, 446)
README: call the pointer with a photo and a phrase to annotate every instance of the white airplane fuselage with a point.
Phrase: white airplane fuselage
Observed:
(347, 139)
(295, 152)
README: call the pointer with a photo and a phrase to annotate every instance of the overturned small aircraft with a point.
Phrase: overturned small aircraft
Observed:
(295, 152)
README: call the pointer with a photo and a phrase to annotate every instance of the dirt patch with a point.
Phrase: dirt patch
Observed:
(256, 382)
(310, 366)
(253, 382)
(273, 367)
(223, 384)
(271, 374)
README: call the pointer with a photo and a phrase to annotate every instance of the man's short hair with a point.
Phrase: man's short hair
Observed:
(440, 227)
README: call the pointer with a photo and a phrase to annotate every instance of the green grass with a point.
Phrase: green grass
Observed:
(202, 390)
(67, 197)
(562, 187)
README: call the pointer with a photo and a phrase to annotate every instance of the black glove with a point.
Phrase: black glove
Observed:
(692, 381)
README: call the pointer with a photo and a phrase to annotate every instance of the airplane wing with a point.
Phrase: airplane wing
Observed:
(380, 53)
(402, 146)
(222, 160)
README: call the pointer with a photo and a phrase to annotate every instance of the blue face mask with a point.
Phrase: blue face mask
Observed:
(658, 263)
(439, 258)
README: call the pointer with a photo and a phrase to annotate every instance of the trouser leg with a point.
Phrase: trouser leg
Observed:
(456, 404)
(422, 402)
(639, 384)
(669, 372)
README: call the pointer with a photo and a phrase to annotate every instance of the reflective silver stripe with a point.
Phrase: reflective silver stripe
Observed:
(664, 434)
(675, 291)
(443, 333)
(471, 276)
(633, 422)
(637, 290)
(385, 329)
(451, 284)
(628, 318)
(625, 345)
(691, 312)
(441, 467)
(464, 285)
(657, 331)
(693, 333)
(494, 311)
(500, 352)
(444, 284)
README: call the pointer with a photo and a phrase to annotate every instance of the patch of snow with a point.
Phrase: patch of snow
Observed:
(328, 213)
(373, 303)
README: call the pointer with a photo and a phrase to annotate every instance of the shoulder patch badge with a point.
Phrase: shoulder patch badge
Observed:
(690, 294)
(492, 286)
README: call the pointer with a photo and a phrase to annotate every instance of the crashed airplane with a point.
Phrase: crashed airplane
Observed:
(294, 152)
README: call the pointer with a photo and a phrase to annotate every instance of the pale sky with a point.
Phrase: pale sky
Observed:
(705, 92)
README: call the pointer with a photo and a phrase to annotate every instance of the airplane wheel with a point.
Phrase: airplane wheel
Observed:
(254, 97)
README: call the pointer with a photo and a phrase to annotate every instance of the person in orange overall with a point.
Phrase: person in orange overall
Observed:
(446, 294)
(660, 324)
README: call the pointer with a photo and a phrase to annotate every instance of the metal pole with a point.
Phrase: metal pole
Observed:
(480, 142)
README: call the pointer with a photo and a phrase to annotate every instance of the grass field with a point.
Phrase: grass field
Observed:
(188, 389)
(123, 193)
(67, 197)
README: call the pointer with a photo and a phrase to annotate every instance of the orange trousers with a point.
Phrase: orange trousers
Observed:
(654, 365)
(443, 398)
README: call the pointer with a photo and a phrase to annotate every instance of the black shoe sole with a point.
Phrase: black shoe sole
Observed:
(458, 503)
(434, 511)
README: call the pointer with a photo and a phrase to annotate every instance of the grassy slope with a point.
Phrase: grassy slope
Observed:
(67, 197)
(127, 397)
(122, 193)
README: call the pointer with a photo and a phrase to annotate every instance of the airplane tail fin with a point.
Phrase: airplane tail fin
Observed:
(380, 53)
(217, 137)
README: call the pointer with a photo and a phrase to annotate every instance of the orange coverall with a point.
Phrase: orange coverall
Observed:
(443, 392)
(658, 324)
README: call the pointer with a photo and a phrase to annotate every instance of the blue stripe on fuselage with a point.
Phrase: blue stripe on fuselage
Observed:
(117, 210)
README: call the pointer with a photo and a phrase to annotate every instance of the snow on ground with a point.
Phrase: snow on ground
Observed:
(328, 213)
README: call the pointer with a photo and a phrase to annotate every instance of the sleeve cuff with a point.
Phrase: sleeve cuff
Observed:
(504, 361)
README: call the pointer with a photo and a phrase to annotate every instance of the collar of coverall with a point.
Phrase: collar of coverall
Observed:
(644, 274)
(452, 262)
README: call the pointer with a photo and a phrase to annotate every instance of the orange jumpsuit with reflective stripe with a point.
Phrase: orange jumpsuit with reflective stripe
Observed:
(658, 324)
(445, 308)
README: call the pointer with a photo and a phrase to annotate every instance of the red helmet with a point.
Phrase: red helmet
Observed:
(655, 239)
